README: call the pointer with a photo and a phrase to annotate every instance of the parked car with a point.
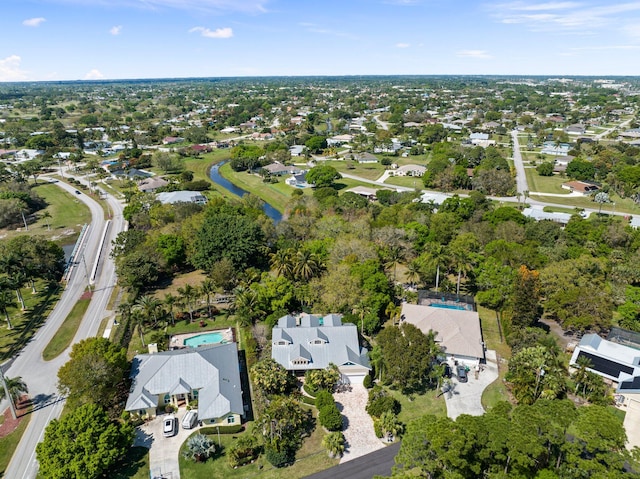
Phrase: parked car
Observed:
(190, 419)
(462, 374)
(170, 427)
(78, 193)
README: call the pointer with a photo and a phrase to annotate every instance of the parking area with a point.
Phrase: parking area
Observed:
(358, 432)
(163, 451)
(466, 397)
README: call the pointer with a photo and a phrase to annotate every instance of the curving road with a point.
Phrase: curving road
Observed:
(41, 376)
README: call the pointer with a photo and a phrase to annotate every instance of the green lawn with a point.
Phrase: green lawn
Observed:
(311, 458)
(276, 194)
(26, 323)
(136, 465)
(545, 184)
(68, 214)
(66, 333)
(407, 181)
(418, 405)
(496, 391)
(9, 443)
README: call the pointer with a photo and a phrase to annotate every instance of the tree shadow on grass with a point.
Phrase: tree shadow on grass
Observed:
(134, 464)
(35, 317)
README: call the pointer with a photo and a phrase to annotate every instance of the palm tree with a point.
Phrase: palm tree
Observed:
(208, 288)
(247, 305)
(414, 272)
(171, 301)
(6, 301)
(139, 319)
(581, 375)
(46, 215)
(392, 257)
(361, 310)
(334, 444)
(188, 294)
(393, 311)
(149, 306)
(436, 257)
(306, 265)
(282, 262)
(390, 424)
(16, 387)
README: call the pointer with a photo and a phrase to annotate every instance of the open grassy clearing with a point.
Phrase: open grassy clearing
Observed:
(276, 194)
(68, 214)
(26, 323)
(66, 333)
(418, 405)
(545, 184)
(407, 181)
(497, 390)
(310, 458)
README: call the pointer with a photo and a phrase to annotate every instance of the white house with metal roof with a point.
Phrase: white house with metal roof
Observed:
(171, 197)
(311, 342)
(210, 374)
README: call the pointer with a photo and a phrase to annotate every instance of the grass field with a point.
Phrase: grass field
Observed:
(310, 458)
(496, 391)
(136, 465)
(276, 194)
(66, 333)
(68, 214)
(26, 323)
(545, 184)
(9, 443)
(418, 405)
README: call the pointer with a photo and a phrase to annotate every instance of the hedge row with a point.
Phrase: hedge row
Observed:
(223, 429)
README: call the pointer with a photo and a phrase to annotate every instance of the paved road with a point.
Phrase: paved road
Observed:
(378, 463)
(521, 177)
(41, 376)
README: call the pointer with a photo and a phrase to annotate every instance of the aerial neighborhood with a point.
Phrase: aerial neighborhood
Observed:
(273, 277)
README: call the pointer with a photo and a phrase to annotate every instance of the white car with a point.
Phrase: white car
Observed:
(170, 426)
(190, 419)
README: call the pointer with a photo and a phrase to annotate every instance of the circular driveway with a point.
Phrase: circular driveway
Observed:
(466, 398)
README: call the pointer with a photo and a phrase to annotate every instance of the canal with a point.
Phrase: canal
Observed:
(218, 179)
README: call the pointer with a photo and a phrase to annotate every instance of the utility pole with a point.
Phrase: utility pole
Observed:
(24, 220)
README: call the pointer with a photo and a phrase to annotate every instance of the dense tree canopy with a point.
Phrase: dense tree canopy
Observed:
(83, 444)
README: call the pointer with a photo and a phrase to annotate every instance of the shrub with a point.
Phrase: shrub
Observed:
(367, 382)
(380, 401)
(280, 458)
(244, 451)
(324, 398)
(334, 444)
(308, 400)
(223, 429)
(330, 418)
(199, 448)
(377, 428)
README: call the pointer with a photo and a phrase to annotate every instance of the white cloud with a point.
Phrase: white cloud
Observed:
(565, 16)
(10, 69)
(33, 22)
(480, 54)
(94, 74)
(217, 33)
(116, 30)
(403, 45)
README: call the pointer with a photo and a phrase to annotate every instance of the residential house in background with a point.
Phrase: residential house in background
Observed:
(580, 187)
(208, 374)
(312, 342)
(410, 170)
(172, 197)
(150, 185)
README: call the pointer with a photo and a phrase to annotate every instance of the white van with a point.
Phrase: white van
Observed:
(190, 419)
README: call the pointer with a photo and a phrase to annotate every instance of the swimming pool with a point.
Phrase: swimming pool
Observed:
(448, 306)
(202, 339)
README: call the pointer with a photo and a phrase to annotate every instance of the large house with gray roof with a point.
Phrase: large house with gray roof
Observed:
(208, 374)
(310, 342)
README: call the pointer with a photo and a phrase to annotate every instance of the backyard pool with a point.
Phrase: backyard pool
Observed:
(202, 339)
(448, 306)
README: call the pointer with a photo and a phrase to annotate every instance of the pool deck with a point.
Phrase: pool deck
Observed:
(177, 341)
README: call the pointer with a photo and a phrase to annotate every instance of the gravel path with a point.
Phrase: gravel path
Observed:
(359, 436)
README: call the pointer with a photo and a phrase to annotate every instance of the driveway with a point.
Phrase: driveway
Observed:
(163, 451)
(466, 397)
(358, 433)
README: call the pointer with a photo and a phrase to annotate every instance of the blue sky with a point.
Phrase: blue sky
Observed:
(117, 39)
